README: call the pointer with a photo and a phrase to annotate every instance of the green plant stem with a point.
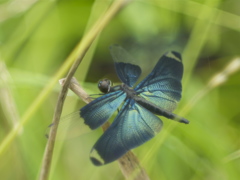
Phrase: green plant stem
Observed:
(193, 9)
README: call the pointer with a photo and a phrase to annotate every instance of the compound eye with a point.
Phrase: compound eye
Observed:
(104, 85)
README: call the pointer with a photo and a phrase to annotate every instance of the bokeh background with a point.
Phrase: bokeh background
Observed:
(36, 37)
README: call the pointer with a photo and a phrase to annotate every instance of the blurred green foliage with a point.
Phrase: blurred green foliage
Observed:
(37, 36)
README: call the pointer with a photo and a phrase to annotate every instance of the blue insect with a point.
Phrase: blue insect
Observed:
(136, 121)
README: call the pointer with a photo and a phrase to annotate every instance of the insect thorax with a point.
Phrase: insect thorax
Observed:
(128, 90)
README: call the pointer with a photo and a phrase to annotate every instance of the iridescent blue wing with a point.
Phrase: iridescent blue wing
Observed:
(163, 85)
(127, 72)
(132, 127)
(97, 112)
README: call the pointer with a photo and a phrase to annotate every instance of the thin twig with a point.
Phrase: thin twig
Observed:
(128, 163)
(77, 89)
(79, 54)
